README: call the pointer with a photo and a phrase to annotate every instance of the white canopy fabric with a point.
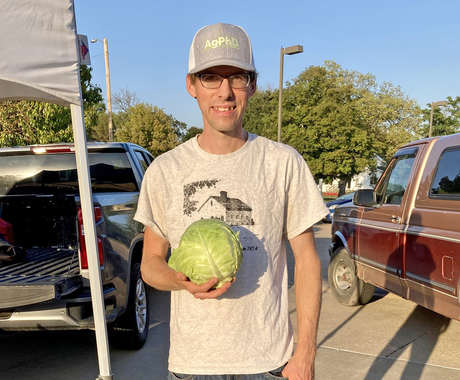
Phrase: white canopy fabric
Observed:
(39, 61)
(38, 51)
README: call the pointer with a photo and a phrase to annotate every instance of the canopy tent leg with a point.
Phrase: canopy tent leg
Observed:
(81, 154)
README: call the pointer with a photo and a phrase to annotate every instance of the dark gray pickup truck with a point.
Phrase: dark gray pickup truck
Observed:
(44, 279)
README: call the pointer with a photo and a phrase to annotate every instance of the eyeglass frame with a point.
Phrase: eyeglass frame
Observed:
(251, 77)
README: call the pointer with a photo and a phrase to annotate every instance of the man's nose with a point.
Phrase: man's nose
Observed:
(225, 90)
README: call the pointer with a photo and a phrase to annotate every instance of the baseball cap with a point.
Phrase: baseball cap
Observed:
(220, 45)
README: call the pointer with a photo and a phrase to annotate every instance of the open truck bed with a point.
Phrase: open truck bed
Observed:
(48, 287)
(45, 274)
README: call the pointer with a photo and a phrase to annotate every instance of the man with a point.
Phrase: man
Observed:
(263, 189)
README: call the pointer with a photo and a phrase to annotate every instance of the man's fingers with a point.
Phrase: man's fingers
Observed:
(213, 293)
(206, 290)
(181, 276)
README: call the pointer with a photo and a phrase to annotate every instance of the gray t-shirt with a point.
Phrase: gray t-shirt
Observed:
(264, 190)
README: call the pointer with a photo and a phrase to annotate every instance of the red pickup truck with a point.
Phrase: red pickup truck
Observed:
(403, 236)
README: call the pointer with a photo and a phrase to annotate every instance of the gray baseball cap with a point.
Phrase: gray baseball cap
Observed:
(220, 45)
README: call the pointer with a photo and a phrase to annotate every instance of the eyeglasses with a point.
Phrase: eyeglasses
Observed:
(213, 81)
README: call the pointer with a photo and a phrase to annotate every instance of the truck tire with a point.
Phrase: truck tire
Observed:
(346, 287)
(130, 330)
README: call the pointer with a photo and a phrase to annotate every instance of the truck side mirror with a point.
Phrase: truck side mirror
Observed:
(366, 198)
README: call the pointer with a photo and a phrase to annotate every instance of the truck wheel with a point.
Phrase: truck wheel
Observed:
(365, 291)
(346, 287)
(130, 330)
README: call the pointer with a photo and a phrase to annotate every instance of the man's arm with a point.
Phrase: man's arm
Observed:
(308, 283)
(156, 272)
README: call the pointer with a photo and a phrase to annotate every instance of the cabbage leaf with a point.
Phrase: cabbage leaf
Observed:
(209, 248)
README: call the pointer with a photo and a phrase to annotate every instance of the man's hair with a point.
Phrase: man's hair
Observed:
(194, 77)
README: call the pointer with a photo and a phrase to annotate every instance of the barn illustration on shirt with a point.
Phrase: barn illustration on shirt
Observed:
(230, 210)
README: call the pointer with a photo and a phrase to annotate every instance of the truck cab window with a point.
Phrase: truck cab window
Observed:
(142, 160)
(395, 184)
(446, 183)
(57, 174)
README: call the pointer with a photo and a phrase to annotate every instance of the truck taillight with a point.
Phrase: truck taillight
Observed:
(81, 235)
(52, 149)
(6, 229)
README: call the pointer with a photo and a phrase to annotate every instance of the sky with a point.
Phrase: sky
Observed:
(413, 44)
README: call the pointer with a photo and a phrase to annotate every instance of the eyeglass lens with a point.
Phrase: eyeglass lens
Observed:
(215, 80)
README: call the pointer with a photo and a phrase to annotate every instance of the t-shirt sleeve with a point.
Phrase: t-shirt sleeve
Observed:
(151, 207)
(305, 204)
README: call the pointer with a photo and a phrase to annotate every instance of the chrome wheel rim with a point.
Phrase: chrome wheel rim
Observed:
(344, 277)
(141, 306)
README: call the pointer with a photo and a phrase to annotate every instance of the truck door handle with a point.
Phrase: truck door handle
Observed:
(395, 219)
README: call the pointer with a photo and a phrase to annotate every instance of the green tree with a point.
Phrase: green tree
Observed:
(324, 124)
(337, 119)
(261, 116)
(446, 119)
(394, 118)
(25, 123)
(149, 127)
(30, 122)
(190, 133)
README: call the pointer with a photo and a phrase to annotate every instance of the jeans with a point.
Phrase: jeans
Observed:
(271, 375)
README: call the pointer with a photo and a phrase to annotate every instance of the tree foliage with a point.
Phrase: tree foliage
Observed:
(149, 127)
(29, 122)
(337, 119)
(446, 119)
(190, 133)
(26, 122)
(261, 117)
(140, 123)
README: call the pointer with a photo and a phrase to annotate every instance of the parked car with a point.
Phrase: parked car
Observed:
(347, 198)
(404, 236)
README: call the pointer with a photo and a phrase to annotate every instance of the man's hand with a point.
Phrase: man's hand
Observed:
(299, 369)
(203, 291)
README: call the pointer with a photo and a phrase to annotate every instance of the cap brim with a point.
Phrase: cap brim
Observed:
(223, 62)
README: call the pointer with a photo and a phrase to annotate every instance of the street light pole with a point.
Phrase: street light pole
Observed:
(107, 80)
(435, 104)
(280, 101)
(291, 50)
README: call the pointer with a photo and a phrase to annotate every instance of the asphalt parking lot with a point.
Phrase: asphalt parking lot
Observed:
(389, 338)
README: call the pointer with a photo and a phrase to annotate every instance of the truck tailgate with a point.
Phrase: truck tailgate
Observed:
(45, 274)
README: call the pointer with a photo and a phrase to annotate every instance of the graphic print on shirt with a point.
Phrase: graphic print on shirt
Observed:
(203, 198)
(212, 198)
(193, 191)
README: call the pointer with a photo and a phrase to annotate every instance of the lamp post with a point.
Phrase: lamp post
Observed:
(435, 104)
(291, 50)
(107, 79)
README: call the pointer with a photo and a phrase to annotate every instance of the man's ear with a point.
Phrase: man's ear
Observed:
(190, 86)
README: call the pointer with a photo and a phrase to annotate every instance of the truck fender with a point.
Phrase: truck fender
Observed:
(338, 240)
(135, 255)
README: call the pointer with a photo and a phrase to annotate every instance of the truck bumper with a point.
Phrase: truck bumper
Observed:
(74, 313)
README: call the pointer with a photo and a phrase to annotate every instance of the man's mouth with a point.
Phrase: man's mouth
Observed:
(224, 109)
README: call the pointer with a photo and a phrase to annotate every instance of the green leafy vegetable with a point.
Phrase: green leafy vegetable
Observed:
(209, 248)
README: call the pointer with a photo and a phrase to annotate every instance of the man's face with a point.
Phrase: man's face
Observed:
(222, 108)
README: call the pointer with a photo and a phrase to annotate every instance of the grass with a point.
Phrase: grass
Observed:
(328, 198)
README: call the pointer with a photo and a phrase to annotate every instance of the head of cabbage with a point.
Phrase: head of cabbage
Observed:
(209, 248)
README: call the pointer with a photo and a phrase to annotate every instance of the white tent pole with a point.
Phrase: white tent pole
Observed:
(86, 199)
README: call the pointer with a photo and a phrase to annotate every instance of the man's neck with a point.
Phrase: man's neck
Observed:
(215, 142)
